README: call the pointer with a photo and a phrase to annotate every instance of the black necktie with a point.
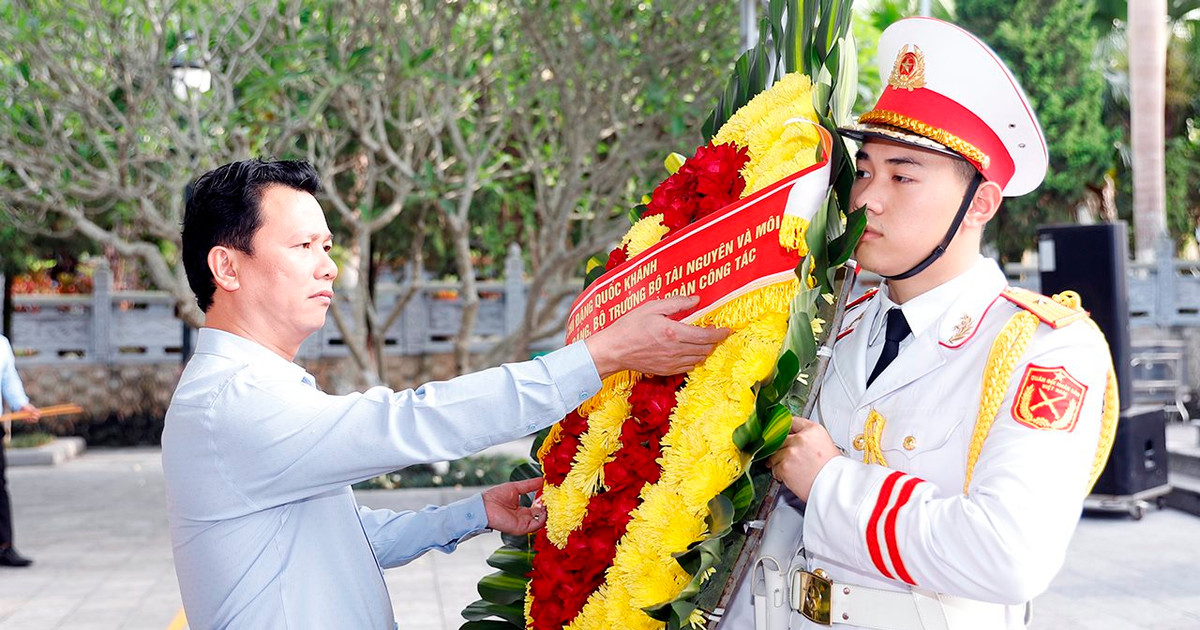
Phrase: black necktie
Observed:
(897, 330)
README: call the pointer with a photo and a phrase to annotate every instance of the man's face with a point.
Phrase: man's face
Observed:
(289, 278)
(911, 197)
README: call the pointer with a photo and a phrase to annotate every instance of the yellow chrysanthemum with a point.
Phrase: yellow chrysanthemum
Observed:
(644, 234)
(566, 504)
(776, 146)
(671, 516)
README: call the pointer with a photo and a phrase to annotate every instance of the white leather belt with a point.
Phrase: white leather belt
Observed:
(825, 602)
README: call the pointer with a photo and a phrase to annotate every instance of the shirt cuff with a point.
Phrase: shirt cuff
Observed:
(466, 518)
(574, 372)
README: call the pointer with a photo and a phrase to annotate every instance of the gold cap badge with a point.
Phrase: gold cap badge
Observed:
(909, 71)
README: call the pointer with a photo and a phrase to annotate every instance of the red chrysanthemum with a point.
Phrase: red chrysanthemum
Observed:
(708, 181)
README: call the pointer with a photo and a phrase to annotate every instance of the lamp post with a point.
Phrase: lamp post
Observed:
(189, 78)
(189, 75)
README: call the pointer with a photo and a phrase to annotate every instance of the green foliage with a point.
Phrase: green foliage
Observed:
(30, 440)
(479, 470)
(1065, 89)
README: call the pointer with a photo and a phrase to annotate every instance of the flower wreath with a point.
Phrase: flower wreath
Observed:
(638, 479)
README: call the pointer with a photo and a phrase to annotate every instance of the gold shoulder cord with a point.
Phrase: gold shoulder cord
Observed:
(1009, 345)
(872, 436)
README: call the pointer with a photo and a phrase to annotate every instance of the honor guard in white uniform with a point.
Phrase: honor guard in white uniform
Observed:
(961, 422)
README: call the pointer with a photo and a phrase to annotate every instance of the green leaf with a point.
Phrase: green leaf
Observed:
(748, 436)
(512, 560)
(524, 541)
(720, 516)
(596, 271)
(521, 472)
(805, 43)
(741, 495)
(776, 431)
(538, 439)
(843, 246)
(502, 588)
(480, 610)
(491, 624)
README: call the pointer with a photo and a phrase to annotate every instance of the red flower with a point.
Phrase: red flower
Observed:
(615, 258)
(708, 181)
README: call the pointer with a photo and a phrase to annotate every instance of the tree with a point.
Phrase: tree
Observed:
(1065, 89)
(1180, 90)
(606, 92)
(95, 136)
(1148, 79)
(424, 120)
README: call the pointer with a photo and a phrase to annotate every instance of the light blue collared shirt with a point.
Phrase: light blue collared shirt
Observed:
(11, 389)
(258, 463)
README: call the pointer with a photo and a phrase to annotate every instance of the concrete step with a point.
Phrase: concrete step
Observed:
(1185, 493)
(56, 452)
(1183, 466)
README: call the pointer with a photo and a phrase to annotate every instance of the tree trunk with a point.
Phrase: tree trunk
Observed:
(460, 231)
(1147, 33)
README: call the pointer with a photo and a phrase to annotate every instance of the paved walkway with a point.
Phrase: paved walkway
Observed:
(96, 528)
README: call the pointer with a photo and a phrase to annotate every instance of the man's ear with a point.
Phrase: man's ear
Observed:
(222, 262)
(984, 206)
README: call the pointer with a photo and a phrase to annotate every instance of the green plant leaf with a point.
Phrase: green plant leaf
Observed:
(480, 610)
(741, 496)
(748, 436)
(776, 431)
(512, 560)
(502, 588)
(491, 624)
(842, 247)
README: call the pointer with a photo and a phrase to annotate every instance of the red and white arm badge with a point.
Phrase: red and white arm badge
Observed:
(1048, 398)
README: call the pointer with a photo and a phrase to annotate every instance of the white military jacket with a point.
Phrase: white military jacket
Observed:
(904, 522)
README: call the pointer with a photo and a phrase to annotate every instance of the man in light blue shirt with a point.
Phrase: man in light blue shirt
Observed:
(258, 462)
(13, 394)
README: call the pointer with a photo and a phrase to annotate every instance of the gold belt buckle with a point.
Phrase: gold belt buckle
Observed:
(812, 594)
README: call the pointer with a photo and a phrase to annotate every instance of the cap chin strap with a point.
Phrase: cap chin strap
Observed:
(941, 248)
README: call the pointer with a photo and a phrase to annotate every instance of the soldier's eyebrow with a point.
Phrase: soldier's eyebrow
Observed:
(900, 160)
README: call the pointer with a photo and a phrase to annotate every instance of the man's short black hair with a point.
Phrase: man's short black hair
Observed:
(965, 169)
(223, 208)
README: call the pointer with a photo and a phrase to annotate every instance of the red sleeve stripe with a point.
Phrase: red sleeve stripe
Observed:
(885, 496)
(889, 529)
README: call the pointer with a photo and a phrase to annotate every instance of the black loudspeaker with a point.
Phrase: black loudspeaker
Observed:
(1091, 260)
(1139, 454)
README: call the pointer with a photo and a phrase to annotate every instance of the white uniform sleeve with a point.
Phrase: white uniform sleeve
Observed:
(1005, 540)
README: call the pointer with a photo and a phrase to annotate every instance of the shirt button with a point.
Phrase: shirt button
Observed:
(532, 427)
(910, 443)
(859, 442)
(470, 515)
(584, 396)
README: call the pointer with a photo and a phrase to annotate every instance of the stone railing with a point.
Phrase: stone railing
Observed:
(119, 327)
(130, 327)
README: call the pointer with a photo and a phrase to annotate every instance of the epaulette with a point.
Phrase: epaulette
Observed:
(1052, 312)
(862, 298)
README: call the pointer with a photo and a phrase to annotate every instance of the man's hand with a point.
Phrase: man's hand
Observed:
(805, 451)
(647, 340)
(505, 513)
(35, 414)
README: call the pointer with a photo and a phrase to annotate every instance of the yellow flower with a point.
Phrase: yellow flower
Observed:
(771, 128)
(644, 234)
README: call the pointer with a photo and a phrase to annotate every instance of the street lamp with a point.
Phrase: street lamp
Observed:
(188, 74)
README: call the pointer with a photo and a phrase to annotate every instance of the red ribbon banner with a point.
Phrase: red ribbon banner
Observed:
(727, 254)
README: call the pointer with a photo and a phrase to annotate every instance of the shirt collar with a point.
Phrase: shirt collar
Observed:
(923, 311)
(226, 344)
